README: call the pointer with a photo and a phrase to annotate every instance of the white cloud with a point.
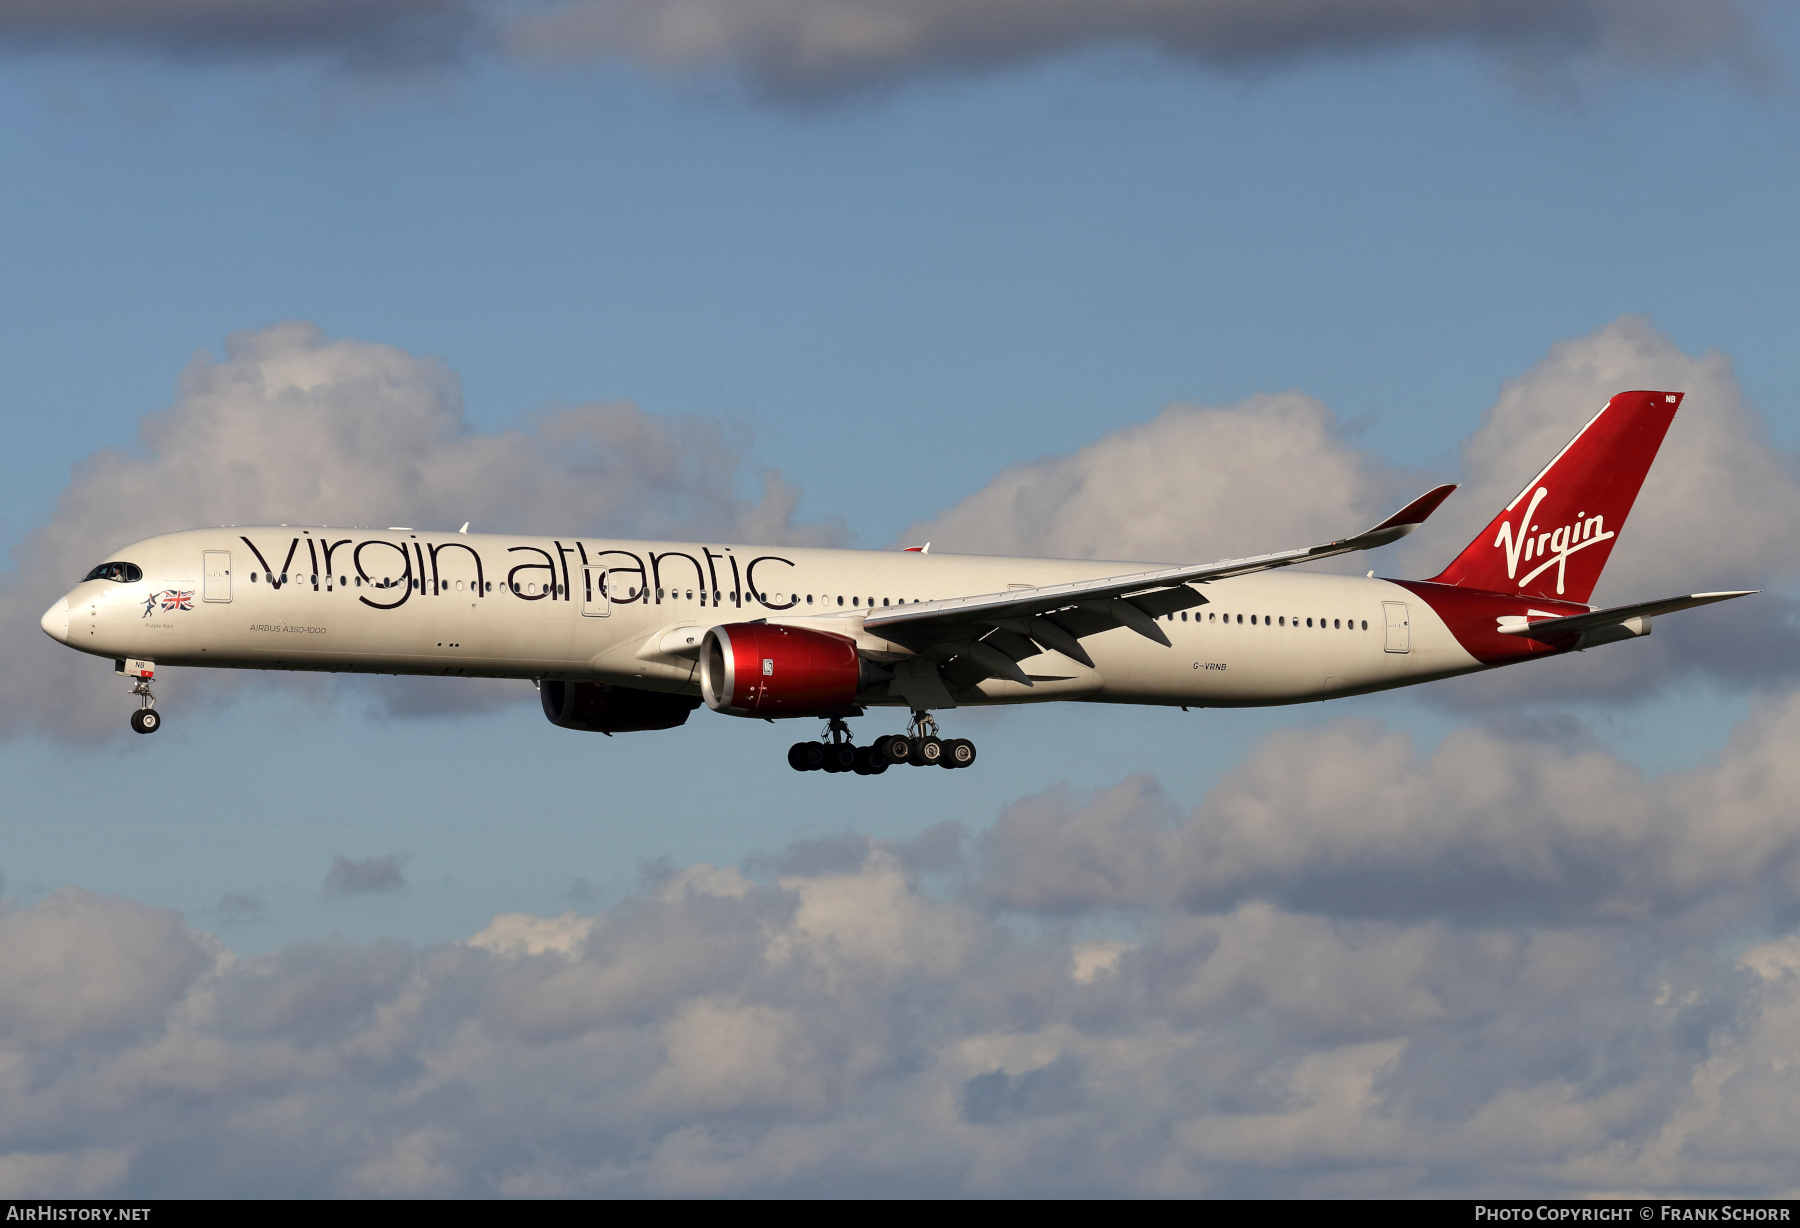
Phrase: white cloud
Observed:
(1715, 513)
(292, 427)
(1196, 482)
(1499, 824)
(1717, 504)
(1353, 970)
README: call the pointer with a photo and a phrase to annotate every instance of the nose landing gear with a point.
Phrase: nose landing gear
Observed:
(146, 719)
(920, 746)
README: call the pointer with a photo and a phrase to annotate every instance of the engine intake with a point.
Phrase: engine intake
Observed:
(755, 669)
(600, 707)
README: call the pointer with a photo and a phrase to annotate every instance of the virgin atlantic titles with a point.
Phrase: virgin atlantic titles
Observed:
(624, 636)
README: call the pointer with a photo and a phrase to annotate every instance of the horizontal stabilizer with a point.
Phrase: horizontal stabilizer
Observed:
(1548, 629)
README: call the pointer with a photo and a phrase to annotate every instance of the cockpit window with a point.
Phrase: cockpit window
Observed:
(121, 573)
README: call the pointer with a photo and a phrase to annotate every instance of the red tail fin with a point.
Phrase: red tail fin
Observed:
(1555, 536)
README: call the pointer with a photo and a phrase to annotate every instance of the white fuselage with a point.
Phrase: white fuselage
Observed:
(413, 602)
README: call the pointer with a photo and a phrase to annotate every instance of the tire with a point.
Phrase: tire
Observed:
(959, 753)
(868, 763)
(840, 758)
(894, 749)
(797, 756)
(146, 720)
(929, 752)
(813, 754)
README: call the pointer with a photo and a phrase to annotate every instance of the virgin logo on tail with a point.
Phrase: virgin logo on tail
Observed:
(1522, 544)
(1603, 466)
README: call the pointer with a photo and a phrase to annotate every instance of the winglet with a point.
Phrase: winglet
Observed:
(1415, 513)
(1403, 521)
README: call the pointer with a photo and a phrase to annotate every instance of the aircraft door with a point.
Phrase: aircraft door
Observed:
(594, 601)
(1399, 636)
(217, 572)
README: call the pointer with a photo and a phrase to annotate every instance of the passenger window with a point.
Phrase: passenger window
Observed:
(809, 598)
(1284, 620)
(840, 601)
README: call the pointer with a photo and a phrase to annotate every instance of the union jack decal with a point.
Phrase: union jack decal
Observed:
(173, 599)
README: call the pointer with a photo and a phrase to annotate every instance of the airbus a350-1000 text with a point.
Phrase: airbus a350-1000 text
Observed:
(626, 636)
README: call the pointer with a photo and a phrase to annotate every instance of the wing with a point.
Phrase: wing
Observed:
(1594, 625)
(986, 636)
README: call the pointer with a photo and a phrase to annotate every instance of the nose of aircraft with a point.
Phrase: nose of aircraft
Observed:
(55, 621)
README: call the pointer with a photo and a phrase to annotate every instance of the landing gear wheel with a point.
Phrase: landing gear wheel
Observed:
(893, 749)
(868, 763)
(146, 720)
(958, 752)
(927, 752)
(806, 756)
(840, 757)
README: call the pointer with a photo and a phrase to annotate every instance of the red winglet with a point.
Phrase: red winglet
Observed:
(1414, 513)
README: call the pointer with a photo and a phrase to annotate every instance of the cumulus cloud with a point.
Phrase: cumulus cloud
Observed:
(1195, 482)
(1715, 512)
(813, 46)
(293, 427)
(1201, 482)
(370, 876)
(1270, 1021)
(1500, 824)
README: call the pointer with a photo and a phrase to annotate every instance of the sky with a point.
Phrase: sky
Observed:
(1110, 279)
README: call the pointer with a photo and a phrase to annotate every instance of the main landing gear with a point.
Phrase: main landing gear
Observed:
(919, 746)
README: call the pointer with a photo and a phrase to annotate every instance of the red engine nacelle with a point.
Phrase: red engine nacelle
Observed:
(600, 707)
(755, 669)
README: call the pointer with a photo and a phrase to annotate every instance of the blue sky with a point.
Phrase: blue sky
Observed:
(889, 295)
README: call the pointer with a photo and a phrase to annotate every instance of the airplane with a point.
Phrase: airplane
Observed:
(627, 636)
